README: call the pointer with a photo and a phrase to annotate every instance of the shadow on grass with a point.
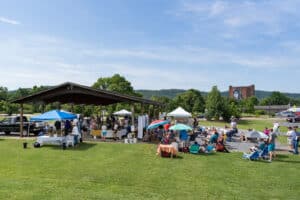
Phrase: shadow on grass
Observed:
(80, 147)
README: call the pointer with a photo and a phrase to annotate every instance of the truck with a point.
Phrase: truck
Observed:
(12, 124)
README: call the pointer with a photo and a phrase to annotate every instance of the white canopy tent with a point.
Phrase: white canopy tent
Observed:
(123, 113)
(180, 113)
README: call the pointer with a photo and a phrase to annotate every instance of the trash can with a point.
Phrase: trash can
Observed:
(25, 145)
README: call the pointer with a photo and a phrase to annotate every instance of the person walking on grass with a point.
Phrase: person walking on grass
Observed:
(271, 146)
(295, 140)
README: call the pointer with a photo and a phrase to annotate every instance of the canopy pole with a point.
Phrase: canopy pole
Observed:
(21, 120)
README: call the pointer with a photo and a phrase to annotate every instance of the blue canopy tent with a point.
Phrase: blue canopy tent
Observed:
(54, 115)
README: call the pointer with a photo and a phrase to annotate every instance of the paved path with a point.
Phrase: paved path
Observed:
(237, 146)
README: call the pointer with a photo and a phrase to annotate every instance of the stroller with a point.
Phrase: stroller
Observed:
(251, 156)
(257, 154)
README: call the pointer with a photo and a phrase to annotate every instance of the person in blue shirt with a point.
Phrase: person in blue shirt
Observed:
(295, 140)
(214, 138)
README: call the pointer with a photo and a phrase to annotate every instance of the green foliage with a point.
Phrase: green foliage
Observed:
(191, 100)
(116, 83)
(276, 98)
(8, 108)
(259, 112)
(214, 104)
(3, 93)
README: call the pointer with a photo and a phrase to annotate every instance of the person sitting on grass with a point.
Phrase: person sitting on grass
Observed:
(194, 148)
(220, 146)
(214, 138)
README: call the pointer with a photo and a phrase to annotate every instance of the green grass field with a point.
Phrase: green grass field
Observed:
(120, 171)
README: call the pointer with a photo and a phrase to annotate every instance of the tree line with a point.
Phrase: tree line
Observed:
(212, 105)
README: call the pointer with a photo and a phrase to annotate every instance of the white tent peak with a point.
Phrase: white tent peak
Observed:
(123, 112)
(179, 112)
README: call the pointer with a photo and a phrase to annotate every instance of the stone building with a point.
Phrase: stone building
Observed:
(241, 92)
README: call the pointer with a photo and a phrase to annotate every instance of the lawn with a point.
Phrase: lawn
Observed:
(256, 123)
(120, 171)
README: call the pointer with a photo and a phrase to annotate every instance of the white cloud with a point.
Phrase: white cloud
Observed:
(9, 21)
(266, 17)
(217, 8)
(32, 61)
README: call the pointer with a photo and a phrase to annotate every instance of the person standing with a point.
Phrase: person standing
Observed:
(271, 145)
(289, 138)
(104, 131)
(67, 127)
(75, 133)
(295, 140)
(57, 125)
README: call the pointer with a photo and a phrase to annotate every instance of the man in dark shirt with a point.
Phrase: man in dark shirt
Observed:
(57, 125)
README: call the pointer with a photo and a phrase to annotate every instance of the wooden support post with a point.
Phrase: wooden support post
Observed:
(21, 120)
(132, 114)
(142, 109)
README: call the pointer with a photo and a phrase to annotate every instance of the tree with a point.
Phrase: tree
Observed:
(3, 93)
(214, 104)
(116, 83)
(169, 104)
(276, 98)
(191, 100)
(248, 104)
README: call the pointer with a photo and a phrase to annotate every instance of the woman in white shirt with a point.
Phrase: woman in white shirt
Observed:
(75, 133)
(289, 137)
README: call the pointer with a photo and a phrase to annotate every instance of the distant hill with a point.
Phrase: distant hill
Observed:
(171, 93)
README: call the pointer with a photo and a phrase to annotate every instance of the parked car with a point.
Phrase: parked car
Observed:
(285, 114)
(12, 124)
(293, 119)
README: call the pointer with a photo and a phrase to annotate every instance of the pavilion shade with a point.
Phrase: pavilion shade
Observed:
(78, 94)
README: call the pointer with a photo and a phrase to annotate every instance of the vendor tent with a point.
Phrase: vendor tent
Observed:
(123, 113)
(54, 115)
(256, 134)
(180, 113)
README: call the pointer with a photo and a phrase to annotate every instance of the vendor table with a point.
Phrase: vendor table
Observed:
(42, 140)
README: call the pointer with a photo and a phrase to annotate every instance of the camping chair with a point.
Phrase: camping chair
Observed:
(194, 149)
(251, 156)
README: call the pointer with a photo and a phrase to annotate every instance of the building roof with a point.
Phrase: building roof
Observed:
(79, 94)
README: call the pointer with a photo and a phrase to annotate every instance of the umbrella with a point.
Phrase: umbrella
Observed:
(157, 123)
(54, 115)
(179, 127)
(256, 134)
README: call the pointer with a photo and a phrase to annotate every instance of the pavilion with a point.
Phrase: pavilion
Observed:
(79, 94)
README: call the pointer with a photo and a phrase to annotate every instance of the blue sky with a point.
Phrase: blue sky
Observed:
(156, 44)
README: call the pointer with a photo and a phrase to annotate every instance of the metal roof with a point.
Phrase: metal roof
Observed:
(79, 94)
